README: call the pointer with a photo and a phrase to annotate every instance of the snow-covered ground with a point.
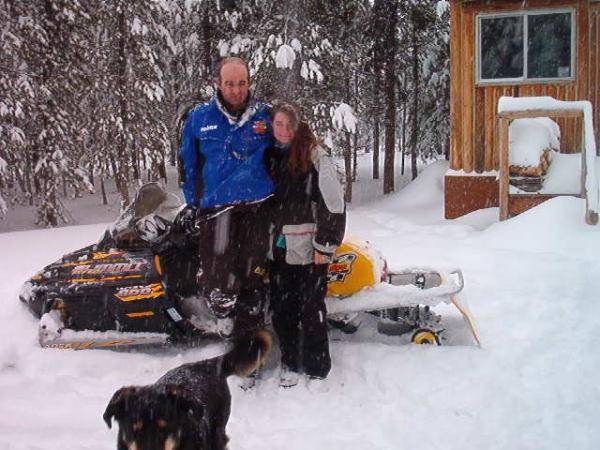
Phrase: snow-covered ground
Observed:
(532, 282)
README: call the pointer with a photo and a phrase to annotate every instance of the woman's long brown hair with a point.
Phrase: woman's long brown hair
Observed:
(301, 147)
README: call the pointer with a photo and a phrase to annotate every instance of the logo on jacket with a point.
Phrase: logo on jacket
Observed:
(260, 127)
(208, 128)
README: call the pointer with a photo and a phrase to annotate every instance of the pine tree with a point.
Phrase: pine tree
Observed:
(99, 90)
(421, 18)
(391, 48)
(435, 127)
(133, 83)
(186, 57)
(49, 67)
(377, 25)
(16, 86)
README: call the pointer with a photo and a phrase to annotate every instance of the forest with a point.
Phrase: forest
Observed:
(94, 91)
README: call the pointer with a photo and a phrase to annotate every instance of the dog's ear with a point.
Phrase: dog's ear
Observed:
(115, 406)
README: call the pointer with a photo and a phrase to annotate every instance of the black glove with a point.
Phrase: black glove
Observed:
(186, 220)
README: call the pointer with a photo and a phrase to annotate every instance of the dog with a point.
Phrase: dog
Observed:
(189, 406)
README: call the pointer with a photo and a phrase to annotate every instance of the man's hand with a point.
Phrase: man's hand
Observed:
(322, 258)
(186, 219)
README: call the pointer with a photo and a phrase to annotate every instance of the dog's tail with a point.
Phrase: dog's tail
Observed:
(248, 354)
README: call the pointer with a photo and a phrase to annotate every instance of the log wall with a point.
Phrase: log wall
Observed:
(594, 65)
(473, 145)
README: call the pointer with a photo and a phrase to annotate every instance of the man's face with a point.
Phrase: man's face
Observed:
(234, 83)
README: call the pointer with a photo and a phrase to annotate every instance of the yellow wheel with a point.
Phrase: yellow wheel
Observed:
(425, 336)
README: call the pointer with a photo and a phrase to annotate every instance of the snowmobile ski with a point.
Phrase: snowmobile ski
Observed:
(52, 334)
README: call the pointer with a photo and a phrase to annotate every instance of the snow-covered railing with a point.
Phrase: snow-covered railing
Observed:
(511, 108)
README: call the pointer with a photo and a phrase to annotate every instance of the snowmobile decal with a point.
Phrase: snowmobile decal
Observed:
(104, 279)
(118, 260)
(140, 314)
(354, 267)
(340, 267)
(133, 293)
(103, 255)
(90, 344)
(76, 263)
(114, 257)
(157, 265)
(109, 268)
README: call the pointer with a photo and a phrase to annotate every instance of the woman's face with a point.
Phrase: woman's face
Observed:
(283, 129)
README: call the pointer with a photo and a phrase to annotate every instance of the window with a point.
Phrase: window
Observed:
(525, 46)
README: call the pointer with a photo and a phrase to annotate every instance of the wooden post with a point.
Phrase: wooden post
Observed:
(591, 217)
(504, 167)
(503, 144)
(551, 113)
(583, 167)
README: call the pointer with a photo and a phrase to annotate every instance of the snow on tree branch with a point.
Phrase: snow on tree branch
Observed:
(344, 119)
(285, 57)
(137, 27)
(311, 70)
(441, 7)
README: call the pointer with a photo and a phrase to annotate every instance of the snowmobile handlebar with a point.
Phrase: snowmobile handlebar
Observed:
(189, 218)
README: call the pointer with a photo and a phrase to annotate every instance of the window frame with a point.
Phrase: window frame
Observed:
(524, 15)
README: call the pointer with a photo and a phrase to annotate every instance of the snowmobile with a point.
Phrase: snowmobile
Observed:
(131, 288)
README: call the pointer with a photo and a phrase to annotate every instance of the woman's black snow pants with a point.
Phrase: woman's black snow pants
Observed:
(299, 317)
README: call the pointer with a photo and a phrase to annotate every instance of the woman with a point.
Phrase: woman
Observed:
(308, 222)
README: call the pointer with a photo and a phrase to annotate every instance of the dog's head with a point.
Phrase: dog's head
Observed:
(156, 418)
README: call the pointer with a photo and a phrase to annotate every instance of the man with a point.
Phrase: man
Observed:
(225, 180)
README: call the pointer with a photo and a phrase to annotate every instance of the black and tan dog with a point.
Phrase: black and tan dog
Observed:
(188, 407)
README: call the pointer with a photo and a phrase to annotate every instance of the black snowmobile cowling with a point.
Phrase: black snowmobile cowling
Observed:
(102, 290)
(126, 283)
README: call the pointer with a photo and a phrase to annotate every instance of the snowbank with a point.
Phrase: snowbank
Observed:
(555, 226)
(532, 284)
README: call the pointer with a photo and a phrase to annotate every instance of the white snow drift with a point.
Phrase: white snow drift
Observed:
(532, 283)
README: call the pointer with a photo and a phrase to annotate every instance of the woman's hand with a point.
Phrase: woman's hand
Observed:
(321, 258)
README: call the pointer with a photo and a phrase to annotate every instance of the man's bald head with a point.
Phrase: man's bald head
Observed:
(227, 61)
(233, 80)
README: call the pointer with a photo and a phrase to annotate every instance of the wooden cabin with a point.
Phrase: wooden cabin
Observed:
(514, 48)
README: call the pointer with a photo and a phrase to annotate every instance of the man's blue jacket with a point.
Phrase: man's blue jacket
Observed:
(222, 157)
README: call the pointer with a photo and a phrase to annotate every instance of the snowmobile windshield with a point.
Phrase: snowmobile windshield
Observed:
(152, 205)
